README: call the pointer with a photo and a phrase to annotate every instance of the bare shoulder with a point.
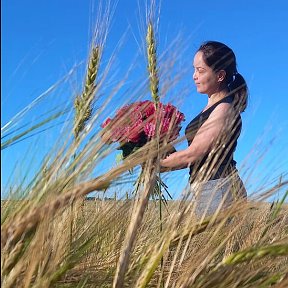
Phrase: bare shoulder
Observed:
(222, 110)
(225, 107)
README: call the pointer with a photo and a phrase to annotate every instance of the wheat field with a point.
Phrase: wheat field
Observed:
(52, 235)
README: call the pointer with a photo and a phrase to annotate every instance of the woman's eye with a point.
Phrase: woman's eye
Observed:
(199, 70)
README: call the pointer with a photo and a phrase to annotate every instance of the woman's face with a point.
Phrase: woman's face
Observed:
(206, 80)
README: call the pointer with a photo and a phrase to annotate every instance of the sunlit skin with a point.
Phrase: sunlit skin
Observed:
(213, 85)
(207, 81)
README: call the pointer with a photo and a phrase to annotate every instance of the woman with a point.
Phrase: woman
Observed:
(212, 135)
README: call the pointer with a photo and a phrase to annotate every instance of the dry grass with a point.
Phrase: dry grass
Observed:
(202, 259)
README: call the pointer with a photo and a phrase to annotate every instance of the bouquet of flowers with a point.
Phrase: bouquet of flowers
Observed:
(135, 124)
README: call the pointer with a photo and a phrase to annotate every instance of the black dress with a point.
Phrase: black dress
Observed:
(219, 163)
(214, 179)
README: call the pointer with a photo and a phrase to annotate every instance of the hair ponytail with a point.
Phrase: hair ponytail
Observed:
(239, 88)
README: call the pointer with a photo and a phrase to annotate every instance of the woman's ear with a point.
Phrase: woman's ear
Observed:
(221, 75)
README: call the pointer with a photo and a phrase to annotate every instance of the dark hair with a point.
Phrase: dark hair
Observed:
(219, 56)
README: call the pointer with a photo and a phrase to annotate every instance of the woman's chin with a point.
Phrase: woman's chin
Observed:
(200, 91)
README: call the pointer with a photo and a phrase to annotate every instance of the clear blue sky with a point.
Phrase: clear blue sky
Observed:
(42, 40)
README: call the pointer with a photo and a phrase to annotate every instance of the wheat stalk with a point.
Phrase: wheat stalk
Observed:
(256, 253)
(10, 232)
(152, 63)
(134, 225)
(83, 103)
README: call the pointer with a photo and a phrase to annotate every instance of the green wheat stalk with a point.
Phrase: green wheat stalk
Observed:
(250, 254)
(154, 88)
(256, 253)
(83, 103)
(152, 63)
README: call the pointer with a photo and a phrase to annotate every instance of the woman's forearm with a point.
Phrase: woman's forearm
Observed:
(175, 161)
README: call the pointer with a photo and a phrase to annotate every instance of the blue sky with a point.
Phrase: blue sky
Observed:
(42, 40)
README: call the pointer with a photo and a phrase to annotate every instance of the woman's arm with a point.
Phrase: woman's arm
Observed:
(202, 142)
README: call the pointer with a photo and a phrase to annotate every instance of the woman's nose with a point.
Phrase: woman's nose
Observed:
(194, 75)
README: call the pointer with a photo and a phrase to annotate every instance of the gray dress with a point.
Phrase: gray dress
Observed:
(218, 194)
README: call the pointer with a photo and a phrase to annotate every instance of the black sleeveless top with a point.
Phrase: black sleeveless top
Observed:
(220, 163)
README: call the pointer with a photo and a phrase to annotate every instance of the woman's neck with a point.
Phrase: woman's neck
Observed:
(217, 96)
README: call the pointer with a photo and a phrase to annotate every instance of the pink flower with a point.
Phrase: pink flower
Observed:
(106, 122)
(180, 117)
(122, 111)
(117, 134)
(133, 132)
(149, 108)
(137, 120)
(149, 129)
(165, 125)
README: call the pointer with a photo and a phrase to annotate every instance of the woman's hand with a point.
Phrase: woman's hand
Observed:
(170, 149)
(164, 169)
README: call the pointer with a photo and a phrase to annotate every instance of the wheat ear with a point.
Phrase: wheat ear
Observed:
(256, 253)
(152, 63)
(83, 103)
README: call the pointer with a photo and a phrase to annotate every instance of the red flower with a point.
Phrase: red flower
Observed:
(106, 122)
(149, 108)
(138, 120)
(149, 129)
